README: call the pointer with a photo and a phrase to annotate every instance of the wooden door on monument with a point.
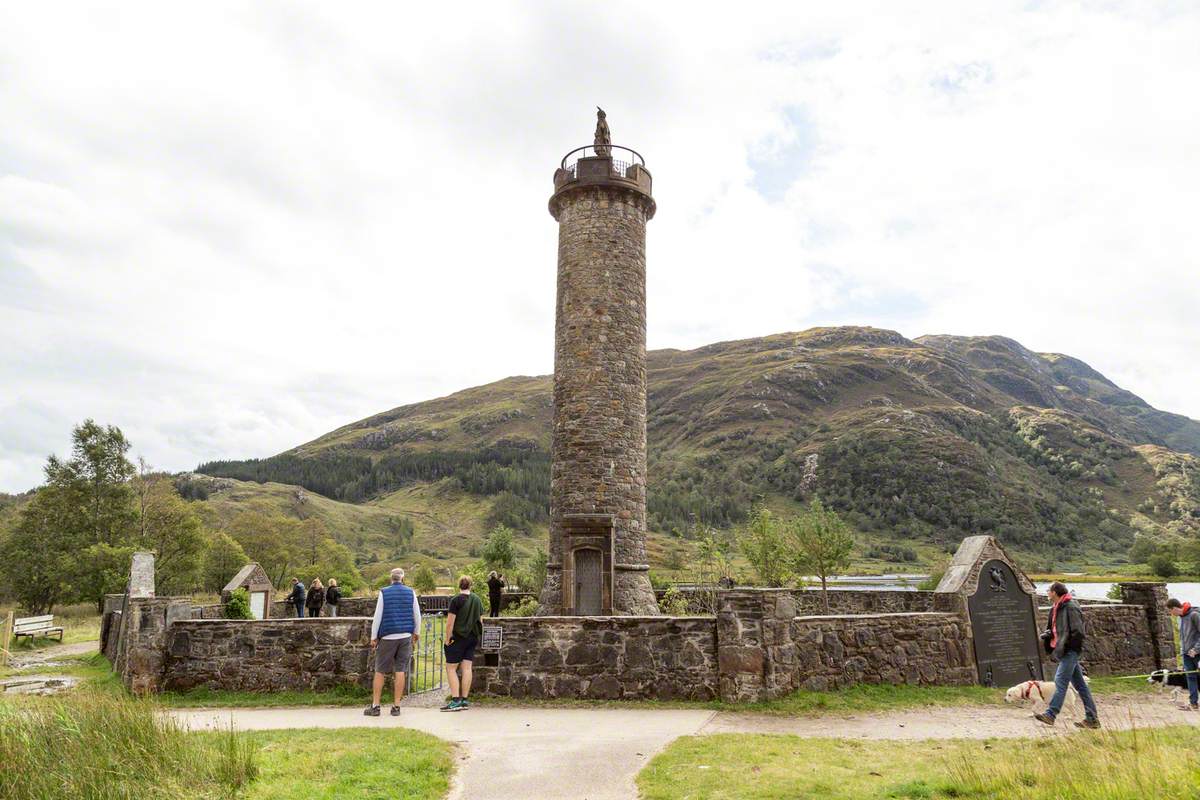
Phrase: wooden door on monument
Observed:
(587, 583)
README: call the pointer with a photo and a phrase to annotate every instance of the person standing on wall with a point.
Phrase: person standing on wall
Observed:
(297, 597)
(315, 599)
(464, 629)
(394, 631)
(1063, 640)
(496, 585)
(332, 596)
(1189, 646)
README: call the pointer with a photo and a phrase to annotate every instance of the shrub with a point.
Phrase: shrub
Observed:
(1163, 565)
(526, 608)
(673, 603)
(423, 581)
(238, 605)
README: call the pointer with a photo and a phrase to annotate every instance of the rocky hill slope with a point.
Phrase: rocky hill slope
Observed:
(919, 441)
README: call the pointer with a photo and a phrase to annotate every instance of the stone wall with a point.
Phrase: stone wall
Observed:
(347, 607)
(860, 601)
(603, 658)
(1118, 640)
(926, 649)
(268, 655)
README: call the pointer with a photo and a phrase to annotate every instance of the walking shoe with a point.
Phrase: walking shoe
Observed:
(465, 703)
(395, 711)
(371, 711)
(1044, 718)
(451, 706)
(1089, 723)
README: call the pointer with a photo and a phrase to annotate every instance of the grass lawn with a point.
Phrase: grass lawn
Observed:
(1161, 764)
(109, 746)
(360, 763)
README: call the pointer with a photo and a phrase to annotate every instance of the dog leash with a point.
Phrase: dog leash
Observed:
(1164, 673)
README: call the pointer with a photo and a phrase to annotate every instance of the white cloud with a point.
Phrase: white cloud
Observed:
(230, 228)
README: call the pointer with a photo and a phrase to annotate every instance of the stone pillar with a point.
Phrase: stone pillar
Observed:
(1153, 597)
(598, 453)
(144, 642)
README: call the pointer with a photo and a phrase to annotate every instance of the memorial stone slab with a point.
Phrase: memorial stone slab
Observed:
(1001, 607)
(141, 575)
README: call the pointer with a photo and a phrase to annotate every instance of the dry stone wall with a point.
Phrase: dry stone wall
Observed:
(268, 655)
(1118, 640)
(603, 658)
(919, 649)
(347, 607)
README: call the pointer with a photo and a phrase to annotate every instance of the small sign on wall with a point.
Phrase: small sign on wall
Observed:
(493, 639)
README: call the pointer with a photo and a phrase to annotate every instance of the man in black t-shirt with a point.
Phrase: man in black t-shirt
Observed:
(464, 629)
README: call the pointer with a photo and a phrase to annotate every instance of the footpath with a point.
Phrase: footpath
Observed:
(595, 753)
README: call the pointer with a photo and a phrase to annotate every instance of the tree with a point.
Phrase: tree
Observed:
(537, 571)
(99, 473)
(169, 527)
(423, 581)
(222, 559)
(763, 545)
(498, 553)
(269, 539)
(36, 557)
(822, 544)
(72, 541)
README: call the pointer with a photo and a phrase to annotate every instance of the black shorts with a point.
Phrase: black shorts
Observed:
(461, 650)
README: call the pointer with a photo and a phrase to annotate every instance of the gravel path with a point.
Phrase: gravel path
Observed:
(595, 753)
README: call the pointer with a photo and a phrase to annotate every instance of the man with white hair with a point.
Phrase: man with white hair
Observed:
(394, 631)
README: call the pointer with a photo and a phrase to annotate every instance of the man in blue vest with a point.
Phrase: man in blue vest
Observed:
(394, 631)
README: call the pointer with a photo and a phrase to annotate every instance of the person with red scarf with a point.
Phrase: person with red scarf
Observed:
(1189, 646)
(1063, 640)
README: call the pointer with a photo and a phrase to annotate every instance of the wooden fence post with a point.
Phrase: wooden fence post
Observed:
(7, 640)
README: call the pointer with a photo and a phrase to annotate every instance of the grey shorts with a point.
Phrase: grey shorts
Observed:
(393, 655)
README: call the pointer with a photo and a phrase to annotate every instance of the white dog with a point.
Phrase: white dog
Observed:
(1038, 693)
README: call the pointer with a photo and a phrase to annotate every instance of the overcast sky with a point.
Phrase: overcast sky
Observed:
(230, 228)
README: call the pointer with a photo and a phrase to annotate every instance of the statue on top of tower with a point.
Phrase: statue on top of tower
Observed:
(603, 137)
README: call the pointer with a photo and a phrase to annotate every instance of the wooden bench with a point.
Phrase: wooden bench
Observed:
(37, 627)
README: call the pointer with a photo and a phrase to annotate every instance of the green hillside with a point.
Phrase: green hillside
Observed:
(917, 442)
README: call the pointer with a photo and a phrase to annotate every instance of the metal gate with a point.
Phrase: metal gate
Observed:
(427, 671)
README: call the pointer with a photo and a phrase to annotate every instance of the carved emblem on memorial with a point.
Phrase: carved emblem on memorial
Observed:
(997, 577)
(1001, 607)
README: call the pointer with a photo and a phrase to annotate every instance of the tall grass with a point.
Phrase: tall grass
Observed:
(1105, 765)
(98, 746)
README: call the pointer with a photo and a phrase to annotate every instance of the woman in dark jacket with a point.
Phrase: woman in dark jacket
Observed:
(315, 599)
(333, 596)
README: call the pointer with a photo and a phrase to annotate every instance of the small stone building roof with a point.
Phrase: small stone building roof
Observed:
(251, 576)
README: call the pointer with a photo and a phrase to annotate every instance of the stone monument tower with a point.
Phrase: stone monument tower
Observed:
(597, 562)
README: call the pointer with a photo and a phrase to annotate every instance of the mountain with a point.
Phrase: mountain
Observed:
(917, 442)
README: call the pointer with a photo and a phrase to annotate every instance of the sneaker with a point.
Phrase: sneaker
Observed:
(371, 711)
(464, 703)
(1093, 724)
(1044, 718)
(451, 706)
(395, 711)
